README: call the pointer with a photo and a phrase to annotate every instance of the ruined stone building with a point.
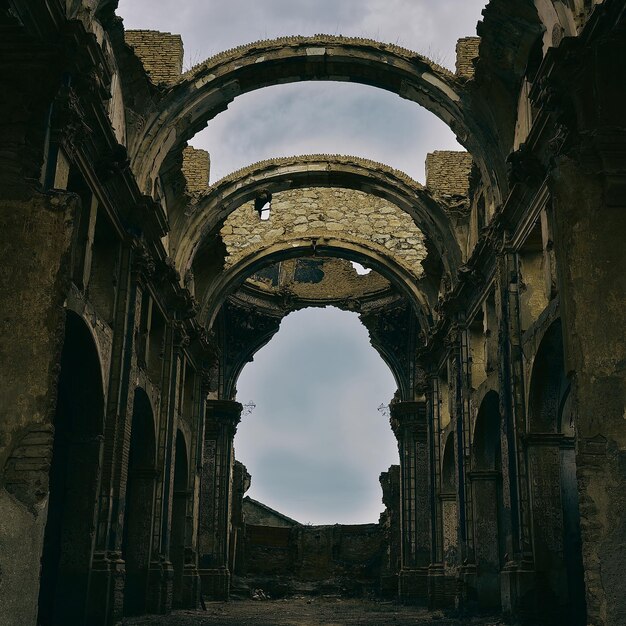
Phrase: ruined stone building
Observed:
(133, 293)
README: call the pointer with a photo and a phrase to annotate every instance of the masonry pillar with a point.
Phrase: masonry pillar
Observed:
(106, 585)
(437, 588)
(190, 594)
(408, 421)
(221, 419)
(161, 574)
(461, 385)
(485, 499)
(518, 572)
(589, 222)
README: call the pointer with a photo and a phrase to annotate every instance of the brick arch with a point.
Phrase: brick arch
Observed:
(227, 281)
(207, 89)
(265, 332)
(228, 194)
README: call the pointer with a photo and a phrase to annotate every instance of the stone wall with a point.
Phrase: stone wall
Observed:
(447, 172)
(160, 53)
(341, 558)
(259, 514)
(322, 212)
(466, 52)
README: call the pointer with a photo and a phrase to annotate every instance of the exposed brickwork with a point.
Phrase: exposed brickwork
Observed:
(447, 172)
(466, 52)
(196, 168)
(160, 53)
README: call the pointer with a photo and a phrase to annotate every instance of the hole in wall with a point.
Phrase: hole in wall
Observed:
(316, 443)
(361, 270)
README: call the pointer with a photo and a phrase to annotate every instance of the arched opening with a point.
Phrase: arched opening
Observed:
(136, 541)
(553, 486)
(449, 510)
(209, 87)
(74, 477)
(178, 534)
(315, 171)
(316, 443)
(330, 247)
(487, 502)
(258, 126)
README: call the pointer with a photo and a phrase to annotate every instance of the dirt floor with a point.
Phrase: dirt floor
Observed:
(302, 611)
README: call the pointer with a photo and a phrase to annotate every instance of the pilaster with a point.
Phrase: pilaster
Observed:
(518, 573)
(408, 421)
(221, 419)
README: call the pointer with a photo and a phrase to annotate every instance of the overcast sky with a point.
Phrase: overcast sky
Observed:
(316, 443)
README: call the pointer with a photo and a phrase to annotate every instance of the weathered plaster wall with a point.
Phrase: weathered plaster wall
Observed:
(34, 244)
(317, 212)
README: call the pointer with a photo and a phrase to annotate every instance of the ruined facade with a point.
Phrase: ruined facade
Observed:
(129, 309)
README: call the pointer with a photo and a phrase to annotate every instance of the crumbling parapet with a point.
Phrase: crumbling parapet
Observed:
(160, 53)
(466, 53)
(448, 172)
(196, 170)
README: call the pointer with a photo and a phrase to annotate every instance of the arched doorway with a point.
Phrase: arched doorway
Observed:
(487, 502)
(553, 487)
(74, 476)
(139, 504)
(179, 517)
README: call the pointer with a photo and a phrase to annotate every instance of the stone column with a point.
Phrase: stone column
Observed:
(408, 421)
(161, 574)
(458, 341)
(518, 575)
(106, 585)
(221, 419)
(35, 235)
(450, 523)
(437, 596)
(191, 580)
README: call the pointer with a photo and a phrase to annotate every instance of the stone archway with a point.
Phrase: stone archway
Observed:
(553, 486)
(345, 172)
(208, 88)
(213, 297)
(139, 505)
(74, 479)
